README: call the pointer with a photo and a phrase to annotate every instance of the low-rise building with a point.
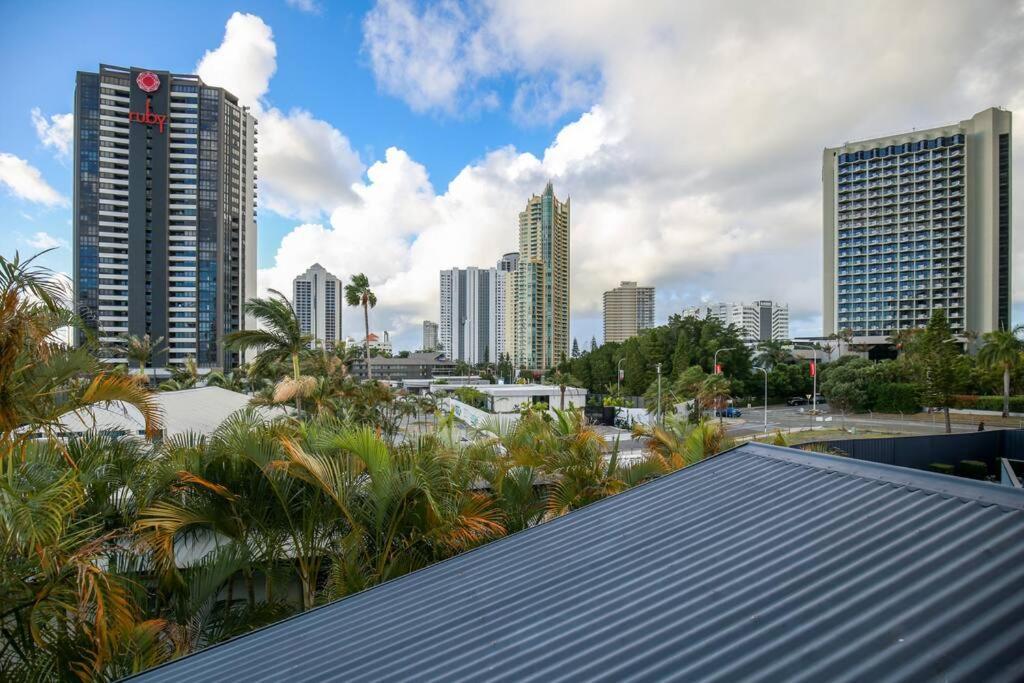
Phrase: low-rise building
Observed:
(419, 365)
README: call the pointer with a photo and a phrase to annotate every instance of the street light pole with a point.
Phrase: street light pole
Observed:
(659, 392)
(715, 362)
(765, 398)
(618, 375)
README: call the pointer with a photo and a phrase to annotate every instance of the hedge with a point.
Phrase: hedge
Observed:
(994, 403)
(972, 469)
(895, 397)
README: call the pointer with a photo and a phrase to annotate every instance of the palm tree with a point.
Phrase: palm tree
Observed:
(773, 352)
(40, 378)
(678, 443)
(234, 380)
(358, 293)
(1004, 350)
(141, 350)
(563, 380)
(279, 339)
(713, 390)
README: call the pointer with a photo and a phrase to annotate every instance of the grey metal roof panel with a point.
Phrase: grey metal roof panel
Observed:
(762, 563)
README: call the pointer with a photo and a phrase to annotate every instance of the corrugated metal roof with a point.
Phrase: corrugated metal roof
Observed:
(762, 563)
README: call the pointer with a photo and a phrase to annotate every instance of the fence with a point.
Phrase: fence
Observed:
(919, 452)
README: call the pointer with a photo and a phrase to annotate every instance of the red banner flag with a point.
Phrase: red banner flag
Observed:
(718, 368)
(813, 368)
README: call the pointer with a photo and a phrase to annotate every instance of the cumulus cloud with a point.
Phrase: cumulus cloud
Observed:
(696, 164)
(54, 132)
(44, 240)
(26, 182)
(306, 165)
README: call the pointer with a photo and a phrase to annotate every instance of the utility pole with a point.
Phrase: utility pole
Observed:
(765, 398)
(658, 367)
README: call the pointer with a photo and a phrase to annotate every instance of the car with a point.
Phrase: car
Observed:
(797, 401)
(730, 411)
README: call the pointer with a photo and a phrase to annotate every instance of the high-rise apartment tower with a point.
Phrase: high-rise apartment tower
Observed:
(430, 338)
(165, 211)
(757, 321)
(317, 298)
(541, 281)
(628, 310)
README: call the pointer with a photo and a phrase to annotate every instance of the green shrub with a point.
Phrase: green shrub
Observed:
(895, 397)
(994, 403)
(972, 469)
(941, 468)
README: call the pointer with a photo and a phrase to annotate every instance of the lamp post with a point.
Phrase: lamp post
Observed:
(814, 377)
(715, 362)
(765, 397)
(618, 375)
(658, 367)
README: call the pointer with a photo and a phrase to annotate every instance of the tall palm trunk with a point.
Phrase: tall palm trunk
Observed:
(949, 427)
(1006, 390)
(296, 374)
(366, 339)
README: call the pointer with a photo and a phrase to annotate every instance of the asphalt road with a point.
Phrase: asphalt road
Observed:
(785, 418)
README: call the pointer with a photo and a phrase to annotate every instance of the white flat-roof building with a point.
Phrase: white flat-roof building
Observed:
(511, 398)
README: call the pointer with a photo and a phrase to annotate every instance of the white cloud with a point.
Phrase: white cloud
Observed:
(26, 182)
(696, 164)
(308, 6)
(44, 240)
(306, 166)
(55, 132)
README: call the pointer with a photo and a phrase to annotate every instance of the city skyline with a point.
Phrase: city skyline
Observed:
(462, 142)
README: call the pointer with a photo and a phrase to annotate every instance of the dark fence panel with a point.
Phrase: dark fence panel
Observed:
(919, 452)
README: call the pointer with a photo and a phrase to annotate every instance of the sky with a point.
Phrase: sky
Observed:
(399, 138)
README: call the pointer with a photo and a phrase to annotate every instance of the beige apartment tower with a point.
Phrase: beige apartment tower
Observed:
(541, 282)
(919, 221)
(628, 310)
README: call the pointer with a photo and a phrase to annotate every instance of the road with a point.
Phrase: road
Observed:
(785, 418)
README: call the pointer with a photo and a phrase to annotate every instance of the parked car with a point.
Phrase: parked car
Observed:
(730, 411)
(797, 401)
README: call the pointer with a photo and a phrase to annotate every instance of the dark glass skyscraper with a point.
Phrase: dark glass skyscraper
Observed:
(165, 212)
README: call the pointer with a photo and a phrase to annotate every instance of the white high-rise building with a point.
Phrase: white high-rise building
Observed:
(757, 321)
(474, 313)
(916, 222)
(317, 299)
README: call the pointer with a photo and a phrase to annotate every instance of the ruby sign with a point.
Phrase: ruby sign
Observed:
(148, 81)
(148, 117)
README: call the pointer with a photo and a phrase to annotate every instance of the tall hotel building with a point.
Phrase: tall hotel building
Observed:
(165, 211)
(628, 310)
(919, 221)
(541, 281)
(317, 298)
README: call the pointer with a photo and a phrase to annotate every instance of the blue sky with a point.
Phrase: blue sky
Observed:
(321, 67)
(401, 137)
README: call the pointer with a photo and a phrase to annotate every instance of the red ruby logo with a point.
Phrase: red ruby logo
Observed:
(148, 81)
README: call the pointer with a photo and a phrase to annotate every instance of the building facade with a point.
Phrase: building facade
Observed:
(541, 282)
(317, 298)
(628, 310)
(757, 321)
(164, 212)
(472, 325)
(430, 338)
(919, 221)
